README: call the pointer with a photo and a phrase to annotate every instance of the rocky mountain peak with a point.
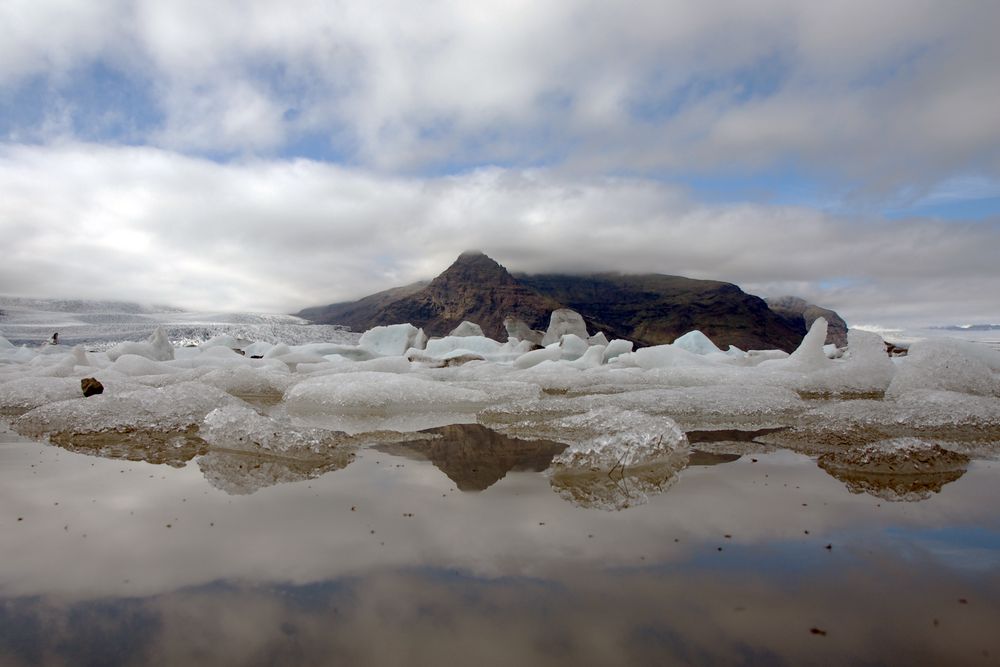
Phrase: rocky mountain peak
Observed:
(473, 265)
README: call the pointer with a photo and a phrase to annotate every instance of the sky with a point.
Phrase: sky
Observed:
(270, 155)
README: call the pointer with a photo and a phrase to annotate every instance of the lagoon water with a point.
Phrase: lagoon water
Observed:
(416, 554)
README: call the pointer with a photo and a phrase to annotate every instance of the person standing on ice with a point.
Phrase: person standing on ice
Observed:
(55, 339)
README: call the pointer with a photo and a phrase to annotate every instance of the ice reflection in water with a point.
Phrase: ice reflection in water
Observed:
(238, 473)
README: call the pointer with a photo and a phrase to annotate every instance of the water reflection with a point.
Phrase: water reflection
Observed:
(618, 488)
(111, 562)
(241, 473)
(173, 448)
(894, 488)
(475, 457)
(699, 457)
(832, 612)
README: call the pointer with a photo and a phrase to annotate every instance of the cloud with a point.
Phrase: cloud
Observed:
(881, 97)
(276, 235)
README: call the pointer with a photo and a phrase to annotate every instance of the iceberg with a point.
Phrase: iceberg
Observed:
(564, 321)
(393, 340)
(697, 343)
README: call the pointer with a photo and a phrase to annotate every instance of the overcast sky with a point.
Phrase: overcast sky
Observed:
(234, 155)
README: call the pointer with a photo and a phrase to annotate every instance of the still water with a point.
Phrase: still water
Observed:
(460, 549)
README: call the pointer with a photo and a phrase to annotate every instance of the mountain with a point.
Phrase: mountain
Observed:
(800, 313)
(647, 309)
(473, 288)
(651, 309)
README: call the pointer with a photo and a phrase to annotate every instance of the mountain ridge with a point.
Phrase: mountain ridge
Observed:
(648, 309)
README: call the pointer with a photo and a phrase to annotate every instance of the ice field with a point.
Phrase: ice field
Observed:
(615, 410)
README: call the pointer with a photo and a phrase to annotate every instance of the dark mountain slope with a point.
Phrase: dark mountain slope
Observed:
(473, 288)
(651, 309)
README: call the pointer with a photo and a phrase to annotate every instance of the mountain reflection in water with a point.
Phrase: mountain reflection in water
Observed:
(475, 457)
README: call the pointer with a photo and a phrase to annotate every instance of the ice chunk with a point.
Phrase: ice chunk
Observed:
(535, 357)
(133, 365)
(564, 321)
(519, 329)
(865, 368)
(157, 347)
(616, 348)
(664, 356)
(172, 408)
(469, 343)
(241, 428)
(246, 382)
(598, 339)
(945, 364)
(385, 393)
(809, 353)
(224, 340)
(277, 351)
(378, 364)
(696, 342)
(467, 329)
(572, 346)
(393, 340)
(5, 344)
(610, 437)
(293, 359)
(80, 356)
(592, 358)
(616, 458)
(30, 392)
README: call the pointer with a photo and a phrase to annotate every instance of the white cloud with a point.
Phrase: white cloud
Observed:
(885, 95)
(152, 225)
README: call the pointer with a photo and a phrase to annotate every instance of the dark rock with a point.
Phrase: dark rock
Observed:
(895, 350)
(91, 386)
(798, 311)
